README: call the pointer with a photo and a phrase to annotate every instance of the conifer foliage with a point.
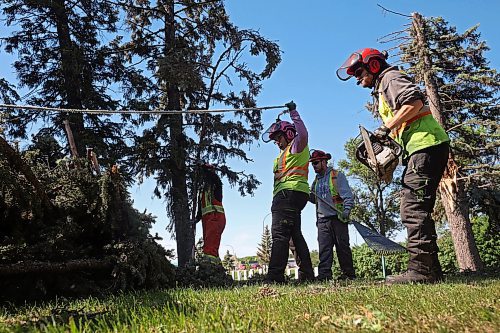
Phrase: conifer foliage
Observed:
(76, 235)
(264, 249)
(63, 62)
(193, 57)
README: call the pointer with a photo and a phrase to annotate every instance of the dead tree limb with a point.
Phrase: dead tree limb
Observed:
(16, 163)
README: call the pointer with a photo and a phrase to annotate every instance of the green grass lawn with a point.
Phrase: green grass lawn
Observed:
(458, 305)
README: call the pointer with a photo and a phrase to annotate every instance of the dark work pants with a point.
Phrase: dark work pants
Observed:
(420, 181)
(333, 232)
(286, 208)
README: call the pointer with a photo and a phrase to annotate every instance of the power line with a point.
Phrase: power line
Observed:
(156, 111)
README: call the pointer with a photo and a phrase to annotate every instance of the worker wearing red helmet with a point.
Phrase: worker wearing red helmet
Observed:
(400, 104)
(211, 212)
(332, 214)
(290, 195)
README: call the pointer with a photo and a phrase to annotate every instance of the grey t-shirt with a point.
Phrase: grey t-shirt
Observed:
(398, 89)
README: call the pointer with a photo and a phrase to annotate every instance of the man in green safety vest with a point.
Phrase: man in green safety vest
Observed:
(400, 104)
(331, 187)
(290, 195)
(211, 213)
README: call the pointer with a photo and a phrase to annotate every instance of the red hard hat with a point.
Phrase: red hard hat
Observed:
(318, 155)
(357, 59)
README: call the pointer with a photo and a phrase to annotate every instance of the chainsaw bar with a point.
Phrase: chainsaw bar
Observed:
(372, 160)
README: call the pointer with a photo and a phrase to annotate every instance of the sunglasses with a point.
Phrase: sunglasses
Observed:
(358, 72)
(316, 162)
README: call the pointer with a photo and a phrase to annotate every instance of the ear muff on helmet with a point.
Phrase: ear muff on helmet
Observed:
(290, 134)
(280, 127)
(372, 59)
(374, 66)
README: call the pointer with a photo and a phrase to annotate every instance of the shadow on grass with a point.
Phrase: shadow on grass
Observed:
(93, 311)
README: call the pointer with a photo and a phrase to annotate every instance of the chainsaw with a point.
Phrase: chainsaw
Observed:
(379, 155)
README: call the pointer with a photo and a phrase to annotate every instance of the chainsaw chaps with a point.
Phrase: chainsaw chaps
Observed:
(379, 155)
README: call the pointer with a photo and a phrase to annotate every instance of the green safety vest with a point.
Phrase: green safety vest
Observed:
(417, 133)
(291, 170)
(209, 204)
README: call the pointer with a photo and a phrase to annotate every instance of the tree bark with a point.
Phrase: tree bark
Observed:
(71, 69)
(184, 231)
(452, 191)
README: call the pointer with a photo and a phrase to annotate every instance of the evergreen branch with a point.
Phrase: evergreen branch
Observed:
(195, 5)
(393, 12)
(130, 6)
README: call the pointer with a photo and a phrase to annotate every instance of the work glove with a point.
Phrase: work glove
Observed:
(382, 132)
(291, 106)
(345, 215)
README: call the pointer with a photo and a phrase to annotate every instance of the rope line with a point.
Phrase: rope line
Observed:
(156, 111)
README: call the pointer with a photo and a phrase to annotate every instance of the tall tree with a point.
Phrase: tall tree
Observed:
(229, 261)
(376, 203)
(196, 58)
(463, 95)
(462, 92)
(62, 61)
(264, 249)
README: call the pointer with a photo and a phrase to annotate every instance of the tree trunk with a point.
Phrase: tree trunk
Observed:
(71, 69)
(452, 192)
(184, 231)
(39, 267)
(456, 206)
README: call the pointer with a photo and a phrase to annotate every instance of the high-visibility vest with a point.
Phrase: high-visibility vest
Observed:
(209, 204)
(337, 200)
(420, 132)
(291, 170)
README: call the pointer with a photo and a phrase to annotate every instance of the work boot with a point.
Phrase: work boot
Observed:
(436, 269)
(410, 276)
(323, 278)
(344, 277)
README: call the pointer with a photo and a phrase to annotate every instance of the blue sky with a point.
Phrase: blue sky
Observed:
(315, 37)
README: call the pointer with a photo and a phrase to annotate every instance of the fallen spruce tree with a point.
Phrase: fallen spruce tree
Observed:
(67, 231)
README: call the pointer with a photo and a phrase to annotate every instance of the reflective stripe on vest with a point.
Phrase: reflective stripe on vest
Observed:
(337, 199)
(209, 204)
(386, 113)
(419, 132)
(283, 171)
(338, 202)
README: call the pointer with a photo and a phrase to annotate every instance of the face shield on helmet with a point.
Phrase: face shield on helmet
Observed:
(279, 127)
(357, 59)
(346, 71)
